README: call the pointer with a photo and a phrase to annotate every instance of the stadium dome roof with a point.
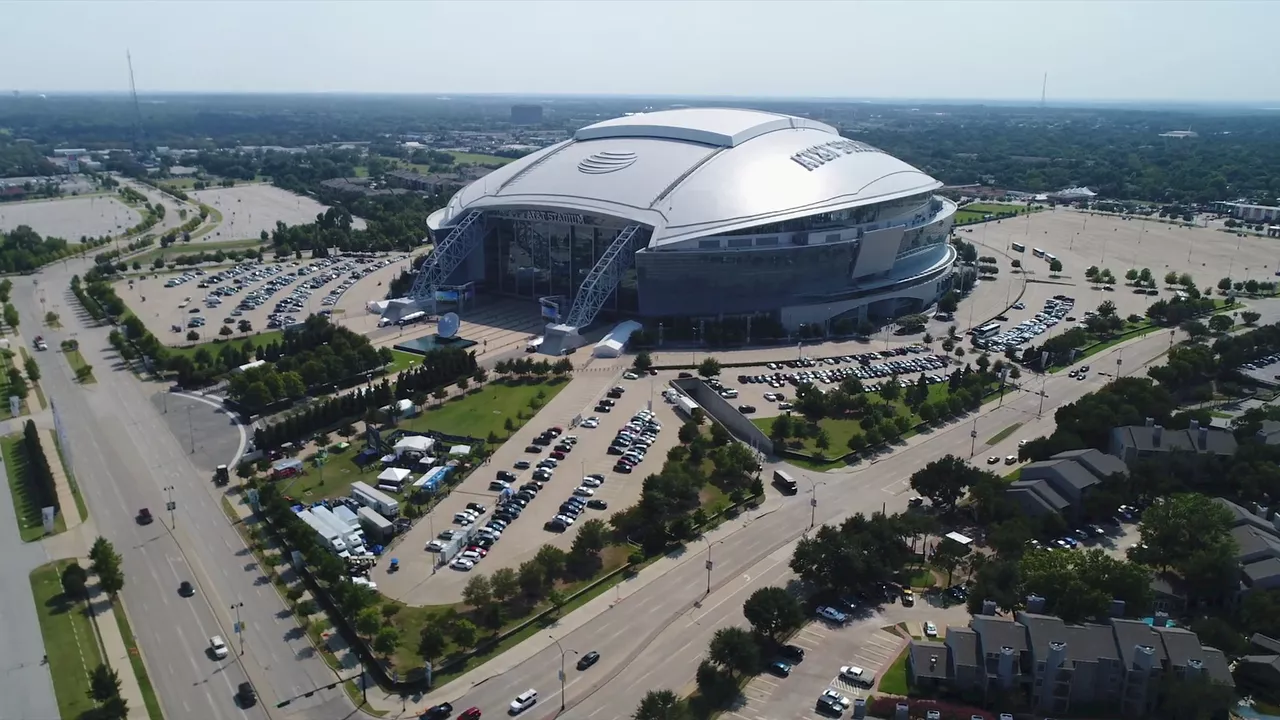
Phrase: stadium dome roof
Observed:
(697, 171)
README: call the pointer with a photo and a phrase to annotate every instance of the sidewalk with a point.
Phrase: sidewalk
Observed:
(66, 498)
(114, 650)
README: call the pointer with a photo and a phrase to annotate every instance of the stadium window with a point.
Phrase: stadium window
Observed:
(771, 241)
(740, 242)
(833, 237)
(708, 244)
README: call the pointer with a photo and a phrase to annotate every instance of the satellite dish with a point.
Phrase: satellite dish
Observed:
(448, 325)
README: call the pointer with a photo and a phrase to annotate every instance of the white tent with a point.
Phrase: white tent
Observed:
(397, 476)
(376, 307)
(460, 450)
(415, 444)
(612, 344)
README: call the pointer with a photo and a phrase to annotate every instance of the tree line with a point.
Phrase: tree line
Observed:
(23, 250)
(36, 473)
(323, 414)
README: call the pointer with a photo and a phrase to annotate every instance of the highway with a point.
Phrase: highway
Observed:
(125, 451)
(655, 637)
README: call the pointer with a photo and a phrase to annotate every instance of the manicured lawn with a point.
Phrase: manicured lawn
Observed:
(139, 668)
(995, 208)
(894, 679)
(69, 640)
(968, 216)
(76, 360)
(192, 248)
(478, 159)
(71, 481)
(34, 385)
(1004, 433)
(475, 414)
(7, 362)
(403, 361)
(25, 506)
(215, 346)
(479, 413)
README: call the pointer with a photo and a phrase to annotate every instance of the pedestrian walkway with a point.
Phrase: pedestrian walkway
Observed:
(66, 498)
(114, 649)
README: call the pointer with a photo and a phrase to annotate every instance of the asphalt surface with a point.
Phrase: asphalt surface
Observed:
(25, 683)
(126, 450)
(654, 637)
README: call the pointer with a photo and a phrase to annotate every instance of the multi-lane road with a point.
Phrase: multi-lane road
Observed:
(655, 636)
(126, 451)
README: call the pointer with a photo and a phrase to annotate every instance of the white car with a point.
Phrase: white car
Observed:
(471, 555)
(591, 482)
(461, 564)
(524, 700)
(464, 518)
(590, 423)
(435, 546)
(930, 630)
(854, 674)
(218, 646)
(630, 376)
(584, 492)
(566, 519)
(836, 698)
(832, 614)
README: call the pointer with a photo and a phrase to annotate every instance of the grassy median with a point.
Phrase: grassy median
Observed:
(26, 508)
(69, 640)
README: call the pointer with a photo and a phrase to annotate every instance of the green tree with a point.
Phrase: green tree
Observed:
(74, 579)
(1198, 697)
(1171, 278)
(947, 555)
(773, 612)
(1055, 266)
(643, 362)
(193, 336)
(733, 649)
(431, 641)
(504, 584)
(1177, 528)
(709, 367)
(465, 634)
(661, 705)
(944, 481)
(478, 593)
(1221, 323)
(104, 683)
(386, 641)
(32, 368)
(368, 622)
(1249, 317)
(1081, 585)
(226, 331)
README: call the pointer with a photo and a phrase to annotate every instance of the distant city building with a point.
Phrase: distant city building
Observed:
(1253, 213)
(435, 183)
(1179, 134)
(526, 114)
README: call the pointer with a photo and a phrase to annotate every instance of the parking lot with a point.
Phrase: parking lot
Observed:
(70, 218)
(266, 295)
(768, 390)
(870, 642)
(418, 582)
(247, 210)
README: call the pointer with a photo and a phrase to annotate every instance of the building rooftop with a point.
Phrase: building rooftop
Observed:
(998, 632)
(1066, 468)
(1097, 462)
(1130, 634)
(1262, 571)
(1043, 493)
(963, 642)
(1203, 440)
(929, 659)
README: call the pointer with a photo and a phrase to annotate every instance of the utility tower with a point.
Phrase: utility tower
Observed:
(137, 109)
(1044, 88)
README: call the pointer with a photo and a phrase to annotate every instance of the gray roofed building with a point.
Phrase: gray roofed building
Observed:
(1269, 432)
(1131, 443)
(1060, 483)
(1263, 574)
(928, 662)
(1257, 547)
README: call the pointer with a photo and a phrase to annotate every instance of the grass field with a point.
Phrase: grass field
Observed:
(403, 361)
(894, 679)
(34, 385)
(476, 414)
(181, 183)
(994, 208)
(478, 159)
(192, 248)
(139, 668)
(214, 346)
(1004, 433)
(69, 640)
(25, 507)
(7, 362)
(76, 361)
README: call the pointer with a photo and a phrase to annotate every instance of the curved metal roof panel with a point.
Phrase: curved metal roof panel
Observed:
(697, 172)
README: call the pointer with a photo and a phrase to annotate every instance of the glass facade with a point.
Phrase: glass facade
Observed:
(532, 259)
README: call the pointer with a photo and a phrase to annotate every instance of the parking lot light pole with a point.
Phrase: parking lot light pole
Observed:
(973, 438)
(171, 506)
(813, 503)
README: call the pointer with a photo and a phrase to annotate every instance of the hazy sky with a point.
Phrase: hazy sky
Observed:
(1166, 50)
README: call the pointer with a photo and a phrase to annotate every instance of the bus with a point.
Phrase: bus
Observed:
(1018, 247)
(1037, 252)
(784, 481)
(412, 318)
(1050, 257)
(985, 331)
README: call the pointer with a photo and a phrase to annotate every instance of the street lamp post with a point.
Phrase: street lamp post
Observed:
(709, 563)
(239, 625)
(813, 505)
(973, 438)
(563, 652)
(171, 506)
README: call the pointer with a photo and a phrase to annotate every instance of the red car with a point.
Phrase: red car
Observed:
(479, 549)
(470, 714)
(558, 455)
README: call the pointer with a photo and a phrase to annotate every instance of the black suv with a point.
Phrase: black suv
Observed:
(506, 476)
(247, 695)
